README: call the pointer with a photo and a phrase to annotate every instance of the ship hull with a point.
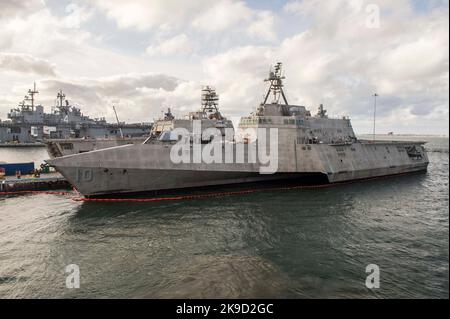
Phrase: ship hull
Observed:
(161, 182)
(145, 168)
(117, 182)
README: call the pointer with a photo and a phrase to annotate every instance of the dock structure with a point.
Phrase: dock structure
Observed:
(21, 145)
(30, 183)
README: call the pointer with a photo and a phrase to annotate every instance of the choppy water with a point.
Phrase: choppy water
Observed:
(298, 243)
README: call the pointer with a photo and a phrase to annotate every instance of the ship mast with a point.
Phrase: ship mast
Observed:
(60, 99)
(60, 96)
(276, 85)
(30, 96)
(210, 101)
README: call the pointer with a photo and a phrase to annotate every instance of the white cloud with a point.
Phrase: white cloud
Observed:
(24, 63)
(144, 15)
(42, 33)
(237, 75)
(263, 26)
(176, 45)
(76, 15)
(221, 16)
(12, 8)
(422, 57)
(64, 41)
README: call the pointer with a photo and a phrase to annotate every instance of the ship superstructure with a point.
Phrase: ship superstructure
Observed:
(305, 146)
(28, 123)
(295, 121)
(208, 116)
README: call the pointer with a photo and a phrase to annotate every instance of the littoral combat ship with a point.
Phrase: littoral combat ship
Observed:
(278, 141)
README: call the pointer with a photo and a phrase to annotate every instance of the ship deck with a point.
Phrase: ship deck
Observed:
(381, 142)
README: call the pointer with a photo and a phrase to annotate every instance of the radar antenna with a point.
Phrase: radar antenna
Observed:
(168, 116)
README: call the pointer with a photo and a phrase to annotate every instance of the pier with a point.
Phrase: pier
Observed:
(30, 183)
(20, 145)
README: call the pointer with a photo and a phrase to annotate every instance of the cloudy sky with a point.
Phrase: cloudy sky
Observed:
(146, 55)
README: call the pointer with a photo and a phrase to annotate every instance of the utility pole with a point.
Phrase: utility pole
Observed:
(374, 113)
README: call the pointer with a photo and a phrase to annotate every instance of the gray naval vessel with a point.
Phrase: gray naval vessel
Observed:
(305, 146)
(30, 124)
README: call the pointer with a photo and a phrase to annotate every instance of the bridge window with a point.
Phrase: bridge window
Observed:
(67, 146)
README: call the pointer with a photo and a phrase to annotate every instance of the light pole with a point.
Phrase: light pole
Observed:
(374, 113)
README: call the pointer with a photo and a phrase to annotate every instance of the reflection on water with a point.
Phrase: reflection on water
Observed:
(295, 244)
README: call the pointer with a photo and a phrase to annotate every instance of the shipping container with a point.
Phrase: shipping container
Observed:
(12, 168)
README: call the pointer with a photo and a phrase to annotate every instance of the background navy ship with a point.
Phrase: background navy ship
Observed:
(28, 124)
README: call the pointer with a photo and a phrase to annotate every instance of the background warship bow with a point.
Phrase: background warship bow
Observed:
(317, 147)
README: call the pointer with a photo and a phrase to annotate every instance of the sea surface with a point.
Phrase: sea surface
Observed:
(304, 243)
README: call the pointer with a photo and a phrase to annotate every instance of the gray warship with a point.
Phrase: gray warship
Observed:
(306, 146)
(29, 124)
